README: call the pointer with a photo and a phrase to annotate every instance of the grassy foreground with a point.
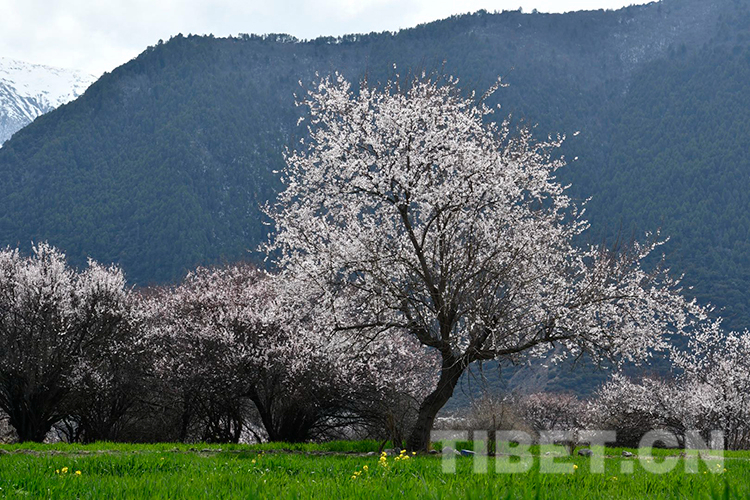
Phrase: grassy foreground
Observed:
(338, 470)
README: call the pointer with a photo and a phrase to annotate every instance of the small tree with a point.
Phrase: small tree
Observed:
(634, 407)
(714, 386)
(387, 378)
(406, 209)
(51, 320)
(711, 392)
(545, 411)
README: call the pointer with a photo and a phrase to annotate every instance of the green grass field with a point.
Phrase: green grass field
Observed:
(335, 471)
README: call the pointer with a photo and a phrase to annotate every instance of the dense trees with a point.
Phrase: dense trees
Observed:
(708, 392)
(220, 357)
(229, 355)
(406, 210)
(714, 386)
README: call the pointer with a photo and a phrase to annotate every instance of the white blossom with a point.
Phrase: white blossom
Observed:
(53, 322)
(409, 210)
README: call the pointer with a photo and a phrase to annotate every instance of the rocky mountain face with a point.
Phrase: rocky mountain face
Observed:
(30, 90)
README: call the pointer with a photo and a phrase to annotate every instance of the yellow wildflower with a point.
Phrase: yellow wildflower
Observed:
(575, 467)
(364, 467)
(64, 470)
(78, 473)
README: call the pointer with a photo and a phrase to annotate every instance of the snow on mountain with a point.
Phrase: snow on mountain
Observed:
(30, 90)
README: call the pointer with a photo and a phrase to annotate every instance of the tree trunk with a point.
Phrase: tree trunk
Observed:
(450, 374)
(289, 424)
(29, 426)
(32, 411)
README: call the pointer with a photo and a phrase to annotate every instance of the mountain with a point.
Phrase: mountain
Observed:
(30, 90)
(164, 163)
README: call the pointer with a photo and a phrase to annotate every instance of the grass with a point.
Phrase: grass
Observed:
(331, 446)
(240, 471)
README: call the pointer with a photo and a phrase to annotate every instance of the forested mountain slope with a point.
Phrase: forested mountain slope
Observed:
(164, 163)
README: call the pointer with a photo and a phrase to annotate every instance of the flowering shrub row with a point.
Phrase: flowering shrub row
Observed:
(219, 357)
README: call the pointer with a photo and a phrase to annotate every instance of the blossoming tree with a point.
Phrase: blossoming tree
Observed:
(201, 332)
(52, 319)
(407, 209)
(715, 385)
(225, 337)
(634, 407)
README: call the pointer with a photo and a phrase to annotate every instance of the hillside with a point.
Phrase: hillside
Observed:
(164, 163)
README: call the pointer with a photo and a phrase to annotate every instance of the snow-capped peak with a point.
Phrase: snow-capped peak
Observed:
(30, 90)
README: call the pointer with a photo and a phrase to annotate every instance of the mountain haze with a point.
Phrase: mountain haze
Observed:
(163, 164)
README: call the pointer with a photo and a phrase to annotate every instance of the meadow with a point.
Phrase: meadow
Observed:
(338, 470)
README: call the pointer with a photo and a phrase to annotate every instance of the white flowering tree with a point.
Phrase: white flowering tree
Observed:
(224, 337)
(715, 384)
(634, 407)
(204, 335)
(52, 319)
(710, 392)
(407, 209)
(545, 411)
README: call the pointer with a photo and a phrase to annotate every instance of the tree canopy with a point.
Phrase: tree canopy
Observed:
(406, 209)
